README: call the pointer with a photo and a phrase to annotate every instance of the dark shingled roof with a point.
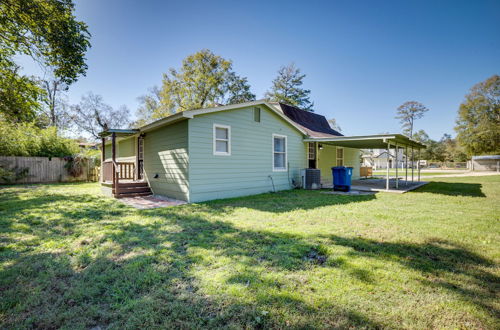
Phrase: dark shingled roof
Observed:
(315, 125)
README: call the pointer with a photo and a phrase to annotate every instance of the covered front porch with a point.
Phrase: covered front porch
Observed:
(406, 179)
(122, 173)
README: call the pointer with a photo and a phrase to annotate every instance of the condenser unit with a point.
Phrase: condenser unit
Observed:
(311, 178)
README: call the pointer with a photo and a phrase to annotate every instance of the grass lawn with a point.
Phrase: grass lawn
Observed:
(301, 259)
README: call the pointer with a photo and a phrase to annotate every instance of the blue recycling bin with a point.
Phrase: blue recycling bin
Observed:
(342, 178)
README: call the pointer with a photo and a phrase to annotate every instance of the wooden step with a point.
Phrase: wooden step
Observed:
(120, 195)
(133, 184)
(133, 190)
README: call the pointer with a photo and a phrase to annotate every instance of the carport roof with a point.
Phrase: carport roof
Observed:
(369, 141)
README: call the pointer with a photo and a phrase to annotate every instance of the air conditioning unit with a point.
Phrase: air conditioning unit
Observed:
(311, 178)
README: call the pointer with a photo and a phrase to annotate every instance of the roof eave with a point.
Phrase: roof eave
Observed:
(384, 139)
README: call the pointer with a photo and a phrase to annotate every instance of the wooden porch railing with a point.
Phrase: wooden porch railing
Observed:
(125, 170)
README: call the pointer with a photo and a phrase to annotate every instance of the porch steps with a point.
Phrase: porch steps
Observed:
(133, 189)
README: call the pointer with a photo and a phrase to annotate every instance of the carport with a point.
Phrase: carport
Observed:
(397, 142)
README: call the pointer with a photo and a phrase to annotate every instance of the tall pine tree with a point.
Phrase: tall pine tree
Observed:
(287, 88)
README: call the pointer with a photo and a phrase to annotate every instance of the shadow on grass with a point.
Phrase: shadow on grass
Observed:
(452, 189)
(144, 274)
(452, 266)
(157, 288)
(286, 201)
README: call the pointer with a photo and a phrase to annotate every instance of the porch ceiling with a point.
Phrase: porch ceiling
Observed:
(369, 141)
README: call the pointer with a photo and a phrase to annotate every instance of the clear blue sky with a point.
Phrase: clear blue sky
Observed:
(362, 58)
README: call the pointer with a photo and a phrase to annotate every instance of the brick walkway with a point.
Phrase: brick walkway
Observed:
(150, 202)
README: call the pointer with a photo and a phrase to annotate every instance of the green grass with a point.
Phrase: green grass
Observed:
(70, 258)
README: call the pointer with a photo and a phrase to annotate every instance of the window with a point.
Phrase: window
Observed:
(222, 140)
(256, 115)
(340, 156)
(140, 147)
(311, 151)
(279, 153)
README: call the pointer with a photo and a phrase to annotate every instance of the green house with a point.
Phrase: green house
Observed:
(228, 151)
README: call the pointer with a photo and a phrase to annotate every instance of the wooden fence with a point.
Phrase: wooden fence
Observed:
(46, 169)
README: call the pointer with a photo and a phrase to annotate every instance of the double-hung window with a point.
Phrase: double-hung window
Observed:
(279, 153)
(340, 156)
(222, 140)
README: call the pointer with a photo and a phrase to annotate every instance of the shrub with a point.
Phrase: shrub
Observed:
(11, 175)
(25, 139)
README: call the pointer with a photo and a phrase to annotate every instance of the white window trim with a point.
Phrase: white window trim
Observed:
(286, 153)
(214, 139)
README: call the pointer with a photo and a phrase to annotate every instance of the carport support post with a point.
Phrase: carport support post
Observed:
(412, 165)
(387, 175)
(406, 165)
(418, 166)
(397, 166)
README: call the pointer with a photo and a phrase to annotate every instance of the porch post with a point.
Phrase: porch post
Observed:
(397, 177)
(412, 165)
(113, 157)
(387, 175)
(103, 157)
(136, 174)
(418, 165)
(406, 165)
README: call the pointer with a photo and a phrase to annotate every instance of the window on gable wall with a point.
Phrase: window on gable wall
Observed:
(256, 115)
(222, 140)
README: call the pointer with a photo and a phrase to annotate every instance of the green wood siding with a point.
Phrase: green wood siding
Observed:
(352, 159)
(125, 149)
(246, 171)
(166, 154)
(328, 158)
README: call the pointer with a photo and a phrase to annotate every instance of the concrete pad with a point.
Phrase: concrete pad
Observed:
(379, 185)
(350, 193)
(150, 202)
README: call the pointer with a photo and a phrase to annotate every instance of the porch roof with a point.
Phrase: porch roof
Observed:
(118, 132)
(369, 141)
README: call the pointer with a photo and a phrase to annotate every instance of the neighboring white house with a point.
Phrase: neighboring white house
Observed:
(377, 158)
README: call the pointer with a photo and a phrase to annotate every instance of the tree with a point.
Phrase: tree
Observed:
(150, 108)
(429, 153)
(93, 116)
(452, 151)
(444, 150)
(334, 125)
(407, 113)
(55, 102)
(47, 31)
(204, 80)
(19, 95)
(287, 88)
(478, 123)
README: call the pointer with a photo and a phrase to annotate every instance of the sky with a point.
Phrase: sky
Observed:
(362, 58)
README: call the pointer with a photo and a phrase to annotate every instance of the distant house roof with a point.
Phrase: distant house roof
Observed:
(315, 125)
(486, 157)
